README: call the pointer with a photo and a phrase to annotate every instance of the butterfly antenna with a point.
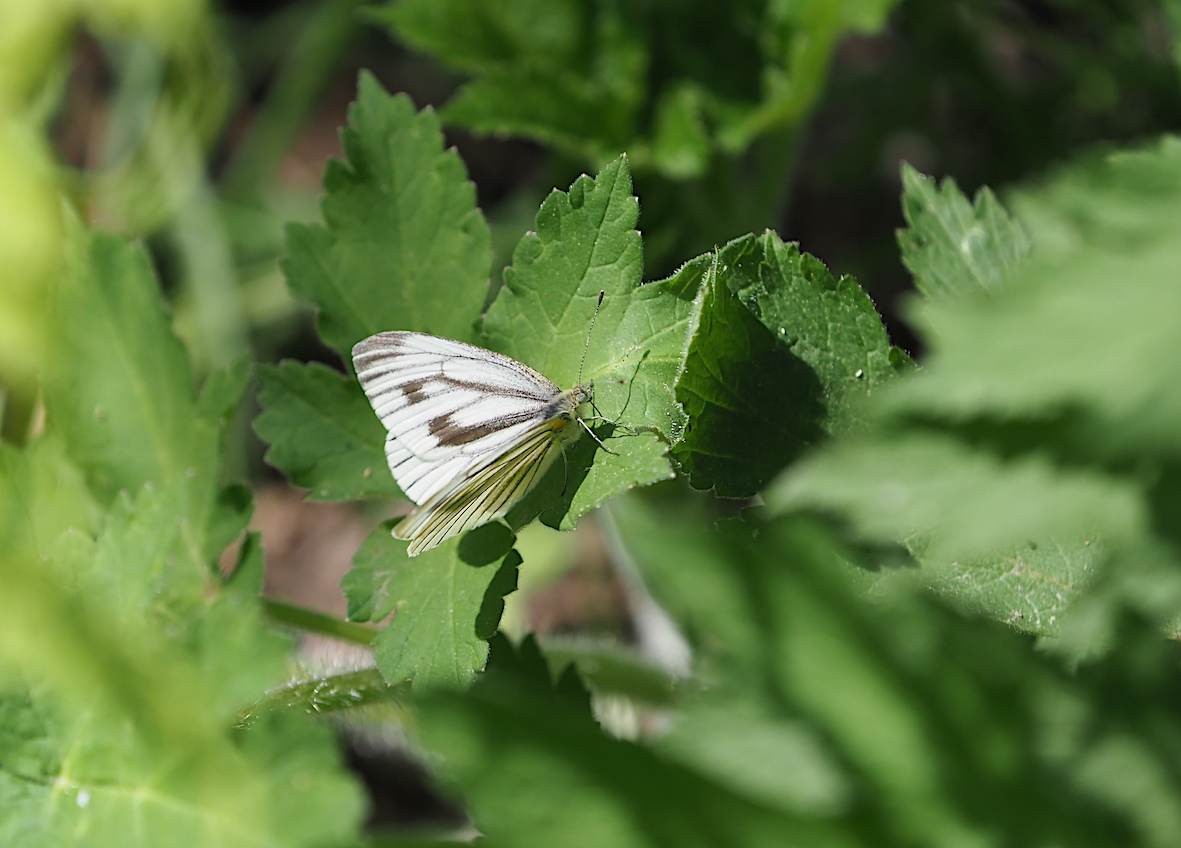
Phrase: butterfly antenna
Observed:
(589, 330)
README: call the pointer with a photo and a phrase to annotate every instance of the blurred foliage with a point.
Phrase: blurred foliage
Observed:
(945, 610)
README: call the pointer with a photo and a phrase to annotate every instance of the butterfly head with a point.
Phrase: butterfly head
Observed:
(571, 407)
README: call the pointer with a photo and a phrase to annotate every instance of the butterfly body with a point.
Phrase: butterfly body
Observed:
(470, 431)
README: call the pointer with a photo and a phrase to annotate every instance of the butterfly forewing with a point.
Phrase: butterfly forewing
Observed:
(470, 431)
(448, 406)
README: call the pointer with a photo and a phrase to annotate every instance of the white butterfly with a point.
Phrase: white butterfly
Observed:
(470, 431)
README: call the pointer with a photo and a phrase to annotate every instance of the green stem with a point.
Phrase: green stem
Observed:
(317, 622)
(323, 695)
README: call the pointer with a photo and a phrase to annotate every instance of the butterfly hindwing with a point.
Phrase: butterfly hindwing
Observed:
(485, 494)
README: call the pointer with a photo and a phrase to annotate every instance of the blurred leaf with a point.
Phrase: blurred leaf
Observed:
(32, 240)
(120, 396)
(744, 746)
(322, 433)
(403, 245)
(777, 356)
(42, 495)
(956, 248)
(670, 540)
(120, 393)
(1067, 339)
(936, 490)
(563, 72)
(535, 770)
(680, 143)
(434, 637)
(959, 732)
(218, 512)
(971, 735)
(117, 699)
(75, 780)
(1048, 531)
(666, 82)
(1116, 202)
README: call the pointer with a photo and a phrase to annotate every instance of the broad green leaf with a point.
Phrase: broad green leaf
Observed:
(72, 779)
(1021, 538)
(120, 396)
(778, 356)
(895, 695)
(668, 534)
(561, 71)
(935, 491)
(955, 248)
(1030, 586)
(403, 246)
(1116, 202)
(536, 770)
(122, 671)
(446, 603)
(119, 393)
(322, 433)
(1087, 335)
(586, 244)
(668, 83)
(42, 495)
(744, 745)
(909, 693)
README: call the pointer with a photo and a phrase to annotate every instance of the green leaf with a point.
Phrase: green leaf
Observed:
(909, 694)
(1066, 344)
(666, 82)
(1115, 202)
(670, 538)
(936, 489)
(42, 496)
(73, 780)
(322, 433)
(119, 393)
(955, 248)
(586, 244)
(120, 396)
(121, 656)
(403, 245)
(896, 694)
(218, 513)
(439, 629)
(680, 144)
(779, 354)
(1036, 553)
(744, 746)
(536, 770)
(560, 72)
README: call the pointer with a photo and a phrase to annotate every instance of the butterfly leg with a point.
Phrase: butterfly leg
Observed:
(586, 427)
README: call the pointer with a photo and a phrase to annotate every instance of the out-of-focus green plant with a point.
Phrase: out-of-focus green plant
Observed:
(708, 103)
(945, 613)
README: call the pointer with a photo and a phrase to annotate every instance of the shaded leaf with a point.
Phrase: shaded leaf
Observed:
(322, 433)
(778, 356)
